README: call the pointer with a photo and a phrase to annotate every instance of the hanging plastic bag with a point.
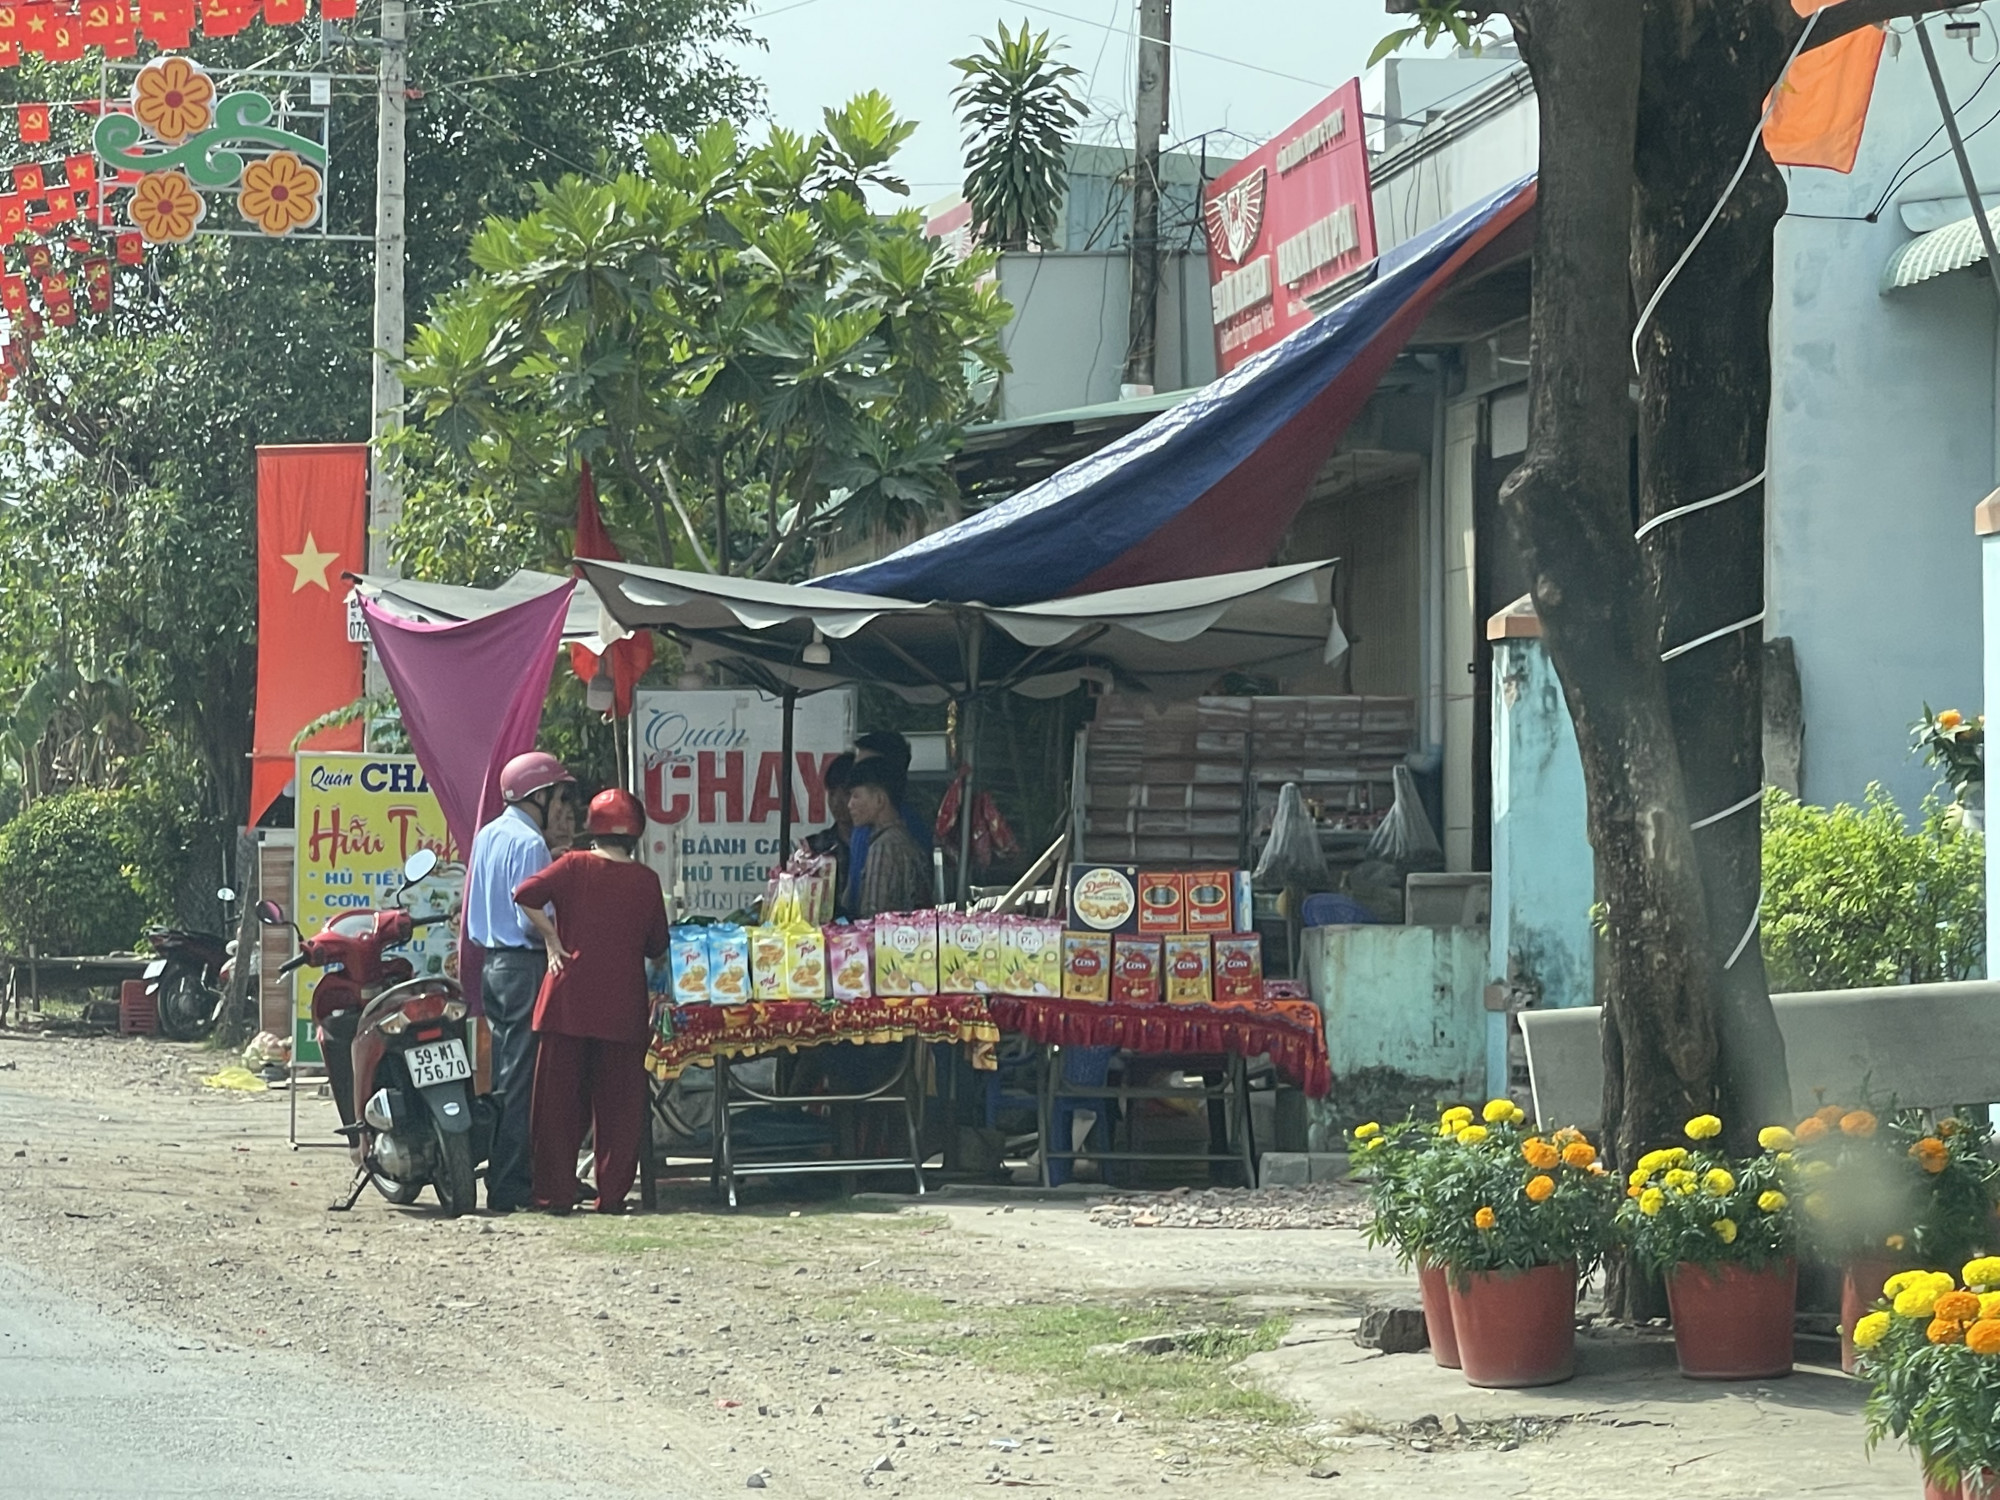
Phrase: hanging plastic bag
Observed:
(1405, 838)
(1292, 856)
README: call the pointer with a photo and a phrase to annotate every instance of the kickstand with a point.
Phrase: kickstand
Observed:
(354, 1194)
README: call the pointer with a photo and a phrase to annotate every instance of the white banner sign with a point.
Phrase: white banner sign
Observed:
(710, 768)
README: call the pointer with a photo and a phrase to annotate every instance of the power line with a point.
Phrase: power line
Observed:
(1182, 47)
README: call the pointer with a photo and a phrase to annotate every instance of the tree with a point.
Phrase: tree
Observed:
(1020, 118)
(748, 355)
(1646, 107)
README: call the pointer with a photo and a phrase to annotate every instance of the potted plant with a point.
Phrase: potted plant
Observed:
(1720, 1232)
(1395, 1162)
(1955, 747)
(1885, 1192)
(1930, 1352)
(1514, 1216)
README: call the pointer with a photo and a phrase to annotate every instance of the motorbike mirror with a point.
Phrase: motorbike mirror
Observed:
(270, 914)
(226, 895)
(419, 865)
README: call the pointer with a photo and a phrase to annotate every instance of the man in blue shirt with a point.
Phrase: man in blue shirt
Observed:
(506, 852)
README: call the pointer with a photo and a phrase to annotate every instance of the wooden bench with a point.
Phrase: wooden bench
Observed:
(1928, 1045)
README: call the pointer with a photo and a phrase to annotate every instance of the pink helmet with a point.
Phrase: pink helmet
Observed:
(525, 775)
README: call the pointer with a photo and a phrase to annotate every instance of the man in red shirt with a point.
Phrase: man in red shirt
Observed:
(593, 1017)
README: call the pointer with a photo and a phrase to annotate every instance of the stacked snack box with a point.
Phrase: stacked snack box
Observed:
(849, 960)
(906, 954)
(1183, 936)
(1086, 966)
(1135, 970)
(1187, 969)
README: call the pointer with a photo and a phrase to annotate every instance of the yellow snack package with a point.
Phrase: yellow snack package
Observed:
(805, 965)
(958, 955)
(906, 954)
(767, 963)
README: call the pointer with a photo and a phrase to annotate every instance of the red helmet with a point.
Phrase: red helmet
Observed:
(525, 775)
(615, 812)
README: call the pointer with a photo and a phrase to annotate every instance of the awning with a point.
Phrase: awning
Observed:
(1211, 485)
(440, 603)
(1928, 256)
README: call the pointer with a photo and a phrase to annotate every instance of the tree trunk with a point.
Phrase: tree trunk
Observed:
(1705, 390)
(1569, 508)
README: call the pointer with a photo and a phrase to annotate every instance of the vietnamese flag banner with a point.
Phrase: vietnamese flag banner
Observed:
(167, 23)
(34, 120)
(631, 656)
(312, 508)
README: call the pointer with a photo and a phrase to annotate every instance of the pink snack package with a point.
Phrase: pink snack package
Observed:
(849, 953)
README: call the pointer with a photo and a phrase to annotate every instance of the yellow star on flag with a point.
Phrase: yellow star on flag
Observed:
(309, 565)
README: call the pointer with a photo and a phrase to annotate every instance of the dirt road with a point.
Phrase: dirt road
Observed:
(810, 1349)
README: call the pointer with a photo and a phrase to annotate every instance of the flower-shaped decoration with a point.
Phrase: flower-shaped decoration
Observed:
(280, 193)
(174, 98)
(165, 208)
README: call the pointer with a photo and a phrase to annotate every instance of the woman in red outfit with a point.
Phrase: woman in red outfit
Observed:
(593, 1017)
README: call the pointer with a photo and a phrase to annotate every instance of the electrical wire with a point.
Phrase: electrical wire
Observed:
(1183, 47)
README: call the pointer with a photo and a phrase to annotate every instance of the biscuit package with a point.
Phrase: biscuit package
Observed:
(1187, 966)
(906, 954)
(728, 964)
(805, 965)
(767, 963)
(1086, 966)
(847, 961)
(687, 950)
(1135, 970)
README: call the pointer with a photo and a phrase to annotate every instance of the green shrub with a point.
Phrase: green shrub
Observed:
(68, 883)
(1853, 897)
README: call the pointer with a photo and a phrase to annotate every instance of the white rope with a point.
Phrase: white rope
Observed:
(1713, 635)
(1756, 914)
(1730, 811)
(1749, 150)
(1689, 509)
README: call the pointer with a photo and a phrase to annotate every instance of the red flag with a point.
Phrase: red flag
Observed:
(62, 311)
(80, 171)
(632, 656)
(336, 10)
(284, 12)
(131, 249)
(65, 38)
(10, 35)
(121, 40)
(312, 502)
(167, 23)
(14, 293)
(13, 217)
(28, 180)
(102, 20)
(226, 17)
(62, 206)
(34, 120)
(55, 284)
(34, 26)
(97, 283)
(41, 260)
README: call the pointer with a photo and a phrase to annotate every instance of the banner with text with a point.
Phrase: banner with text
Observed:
(359, 818)
(710, 769)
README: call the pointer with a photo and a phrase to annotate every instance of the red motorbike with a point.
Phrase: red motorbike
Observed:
(396, 1054)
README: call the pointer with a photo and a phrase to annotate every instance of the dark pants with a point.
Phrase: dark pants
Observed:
(510, 981)
(582, 1082)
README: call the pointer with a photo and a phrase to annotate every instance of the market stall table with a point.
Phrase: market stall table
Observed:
(719, 1035)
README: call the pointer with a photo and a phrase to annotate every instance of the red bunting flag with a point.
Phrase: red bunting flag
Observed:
(41, 259)
(34, 26)
(10, 36)
(34, 120)
(80, 247)
(122, 41)
(336, 10)
(14, 294)
(13, 217)
(226, 17)
(65, 41)
(62, 311)
(97, 283)
(55, 284)
(62, 206)
(80, 171)
(284, 12)
(167, 23)
(28, 180)
(131, 249)
(102, 18)
(30, 324)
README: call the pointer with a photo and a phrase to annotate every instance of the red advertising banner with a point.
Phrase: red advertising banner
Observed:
(312, 514)
(1292, 216)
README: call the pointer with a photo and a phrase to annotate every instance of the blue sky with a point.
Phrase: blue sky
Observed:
(821, 51)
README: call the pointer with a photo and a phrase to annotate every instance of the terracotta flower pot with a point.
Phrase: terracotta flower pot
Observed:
(1434, 1284)
(1515, 1328)
(1731, 1323)
(1860, 1284)
(1985, 1485)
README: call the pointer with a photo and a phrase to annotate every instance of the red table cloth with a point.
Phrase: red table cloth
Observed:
(698, 1033)
(1290, 1030)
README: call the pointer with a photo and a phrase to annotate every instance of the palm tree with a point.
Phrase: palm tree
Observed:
(1019, 117)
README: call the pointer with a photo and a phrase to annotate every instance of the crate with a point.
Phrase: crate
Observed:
(138, 1012)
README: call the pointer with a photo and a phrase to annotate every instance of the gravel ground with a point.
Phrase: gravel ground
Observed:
(1321, 1206)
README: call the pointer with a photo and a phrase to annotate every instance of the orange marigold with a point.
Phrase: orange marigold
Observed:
(1541, 1189)
(1484, 1219)
(1810, 1129)
(1959, 1307)
(1932, 1154)
(1945, 1331)
(1579, 1154)
(1857, 1122)
(1539, 1153)
(1983, 1337)
(1830, 1113)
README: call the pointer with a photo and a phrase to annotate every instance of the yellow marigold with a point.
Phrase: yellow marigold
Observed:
(1484, 1219)
(1932, 1154)
(1772, 1202)
(1499, 1111)
(1567, 1134)
(1816, 1205)
(1652, 1162)
(1651, 1201)
(1375, 1145)
(1703, 1128)
(1472, 1135)
(1540, 1188)
(1945, 1331)
(1719, 1180)
(1903, 1280)
(1989, 1304)
(1809, 1131)
(1725, 1230)
(1579, 1154)
(1918, 1301)
(1983, 1337)
(1776, 1138)
(1984, 1270)
(1681, 1181)
(1870, 1329)
(1456, 1116)
(1960, 1307)
(1367, 1132)
(1817, 1168)
(1858, 1122)
(1639, 1179)
(1677, 1156)
(1539, 1153)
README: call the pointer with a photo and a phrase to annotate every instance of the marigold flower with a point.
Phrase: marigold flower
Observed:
(1472, 1135)
(1457, 1115)
(1776, 1138)
(1498, 1111)
(1960, 1307)
(1677, 1156)
(1376, 1144)
(280, 193)
(1816, 1205)
(1367, 1132)
(1485, 1219)
(1983, 1270)
(1681, 1181)
(1918, 1301)
(1651, 1201)
(165, 208)
(1639, 1179)
(1945, 1331)
(1932, 1154)
(1989, 1304)
(1829, 1114)
(1772, 1202)
(1983, 1337)
(1652, 1162)
(1810, 1130)
(1579, 1154)
(1725, 1230)
(1902, 1280)
(1950, 1126)
(1632, 1191)
(1951, 718)
(1567, 1134)
(1870, 1329)
(1539, 1153)
(1540, 1189)
(1858, 1123)
(1817, 1169)
(1719, 1180)
(173, 98)
(1703, 1128)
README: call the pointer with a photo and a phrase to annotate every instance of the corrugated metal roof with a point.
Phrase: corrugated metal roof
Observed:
(1951, 248)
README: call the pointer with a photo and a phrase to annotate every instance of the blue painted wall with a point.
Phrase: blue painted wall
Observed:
(1543, 875)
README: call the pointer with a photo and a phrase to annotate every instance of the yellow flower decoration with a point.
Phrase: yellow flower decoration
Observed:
(1916, 1301)
(1776, 1138)
(1376, 1144)
(165, 208)
(280, 193)
(1903, 1279)
(1484, 1219)
(1719, 1181)
(1498, 1111)
(1676, 1156)
(1983, 1337)
(1681, 1181)
(1704, 1128)
(1989, 1304)
(1652, 1162)
(1540, 1189)
(1870, 1329)
(1652, 1201)
(1456, 1116)
(1472, 1135)
(1725, 1230)
(1367, 1132)
(173, 98)
(1984, 1271)
(1772, 1202)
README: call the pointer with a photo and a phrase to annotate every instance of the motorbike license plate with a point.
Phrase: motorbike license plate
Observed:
(156, 968)
(439, 1062)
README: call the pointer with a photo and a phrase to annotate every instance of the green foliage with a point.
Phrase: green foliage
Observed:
(1891, 1185)
(748, 355)
(1853, 898)
(1460, 21)
(1934, 1379)
(1704, 1208)
(83, 871)
(1952, 745)
(1020, 118)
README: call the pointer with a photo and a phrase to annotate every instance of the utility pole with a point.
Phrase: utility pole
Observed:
(385, 500)
(1149, 122)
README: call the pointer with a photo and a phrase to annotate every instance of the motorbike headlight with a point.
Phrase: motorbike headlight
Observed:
(395, 1023)
(454, 1010)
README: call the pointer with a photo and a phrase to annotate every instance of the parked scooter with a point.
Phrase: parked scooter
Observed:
(185, 982)
(396, 1054)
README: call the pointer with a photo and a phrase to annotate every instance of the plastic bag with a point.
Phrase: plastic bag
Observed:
(1405, 838)
(1292, 855)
